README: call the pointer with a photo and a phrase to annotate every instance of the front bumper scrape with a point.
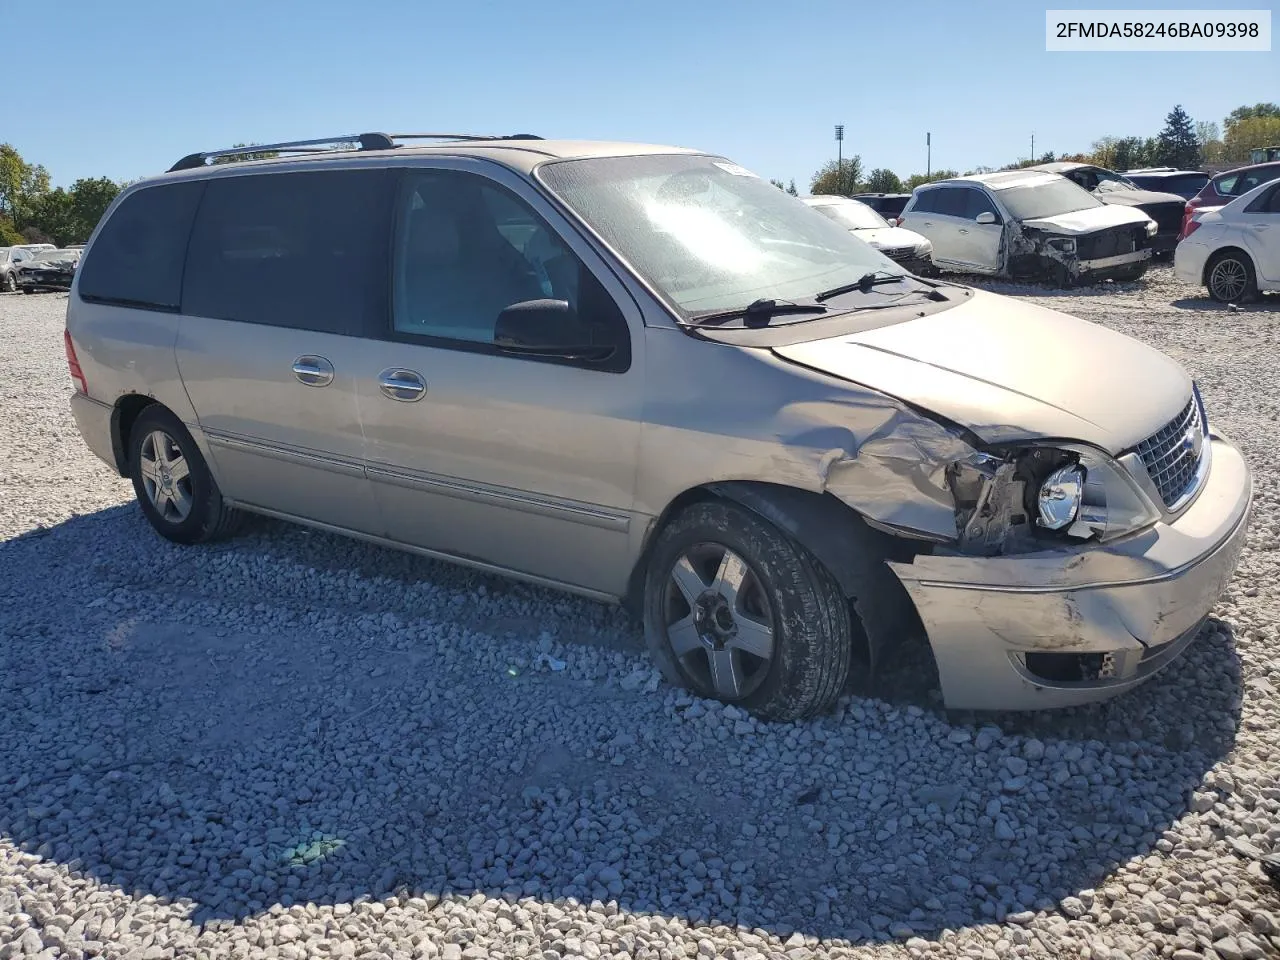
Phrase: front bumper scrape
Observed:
(1132, 604)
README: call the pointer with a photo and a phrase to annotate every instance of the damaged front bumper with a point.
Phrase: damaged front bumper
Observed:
(1073, 625)
(1104, 267)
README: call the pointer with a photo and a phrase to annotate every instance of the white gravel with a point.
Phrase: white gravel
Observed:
(294, 745)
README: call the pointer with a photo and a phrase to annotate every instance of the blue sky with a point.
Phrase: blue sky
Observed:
(124, 88)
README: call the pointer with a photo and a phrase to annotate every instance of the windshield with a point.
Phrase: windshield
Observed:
(1109, 182)
(709, 235)
(1047, 198)
(852, 215)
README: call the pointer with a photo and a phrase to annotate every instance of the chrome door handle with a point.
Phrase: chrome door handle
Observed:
(963, 230)
(313, 371)
(928, 223)
(403, 385)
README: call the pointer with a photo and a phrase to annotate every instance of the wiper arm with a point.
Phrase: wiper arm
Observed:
(864, 283)
(757, 312)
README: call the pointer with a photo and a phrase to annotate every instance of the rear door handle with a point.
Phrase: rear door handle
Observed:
(313, 371)
(963, 230)
(397, 383)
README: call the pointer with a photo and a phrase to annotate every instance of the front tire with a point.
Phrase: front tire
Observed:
(10, 283)
(172, 482)
(1230, 277)
(737, 611)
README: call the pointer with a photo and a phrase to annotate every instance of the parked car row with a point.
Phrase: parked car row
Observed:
(1076, 223)
(11, 258)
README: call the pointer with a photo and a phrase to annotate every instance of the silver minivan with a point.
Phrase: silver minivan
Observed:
(643, 374)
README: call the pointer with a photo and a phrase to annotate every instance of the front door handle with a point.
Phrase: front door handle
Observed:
(313, 371)
(963, 230)
(406, 386)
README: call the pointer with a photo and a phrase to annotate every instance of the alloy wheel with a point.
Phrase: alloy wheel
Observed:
(1228, 279)
(166, 477)
(719, 621)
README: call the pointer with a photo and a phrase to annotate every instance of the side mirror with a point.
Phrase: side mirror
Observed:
(986, 216)
(546, 328)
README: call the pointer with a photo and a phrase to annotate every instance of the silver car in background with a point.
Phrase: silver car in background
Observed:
(642, 374)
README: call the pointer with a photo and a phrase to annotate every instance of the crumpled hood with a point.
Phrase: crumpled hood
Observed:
(1135, 198)
(1087, 221)
(1009, 370)
(891, 237)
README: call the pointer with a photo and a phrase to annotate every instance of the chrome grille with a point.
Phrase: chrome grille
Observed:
(1172, 454)
(898, 253)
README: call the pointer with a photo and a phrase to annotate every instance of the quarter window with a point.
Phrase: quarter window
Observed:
(302, 250)
(137, 257)
(466, 249)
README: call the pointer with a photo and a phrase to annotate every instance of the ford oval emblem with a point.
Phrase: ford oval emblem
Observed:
(1193, 442)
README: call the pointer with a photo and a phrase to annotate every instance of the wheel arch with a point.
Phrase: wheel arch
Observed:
(124, 413)
(836, 534)
(1218, 254)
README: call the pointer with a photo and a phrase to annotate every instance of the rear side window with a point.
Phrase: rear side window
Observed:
(302, 250)
(925, 202)
(137, 257)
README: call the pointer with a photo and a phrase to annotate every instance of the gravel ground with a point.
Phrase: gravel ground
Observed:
(296, 745)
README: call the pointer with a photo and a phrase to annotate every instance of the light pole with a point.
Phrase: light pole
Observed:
(928, 154)
(840, 157)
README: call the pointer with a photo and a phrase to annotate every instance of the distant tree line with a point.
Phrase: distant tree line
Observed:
(32, 212)
(1182, 143)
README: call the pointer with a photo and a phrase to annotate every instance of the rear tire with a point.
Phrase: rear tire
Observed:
(727, 593)
(174, 487)
(1230, 277)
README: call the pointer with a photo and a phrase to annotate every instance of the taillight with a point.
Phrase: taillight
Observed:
(1187, 212)
(1192, 226)
(73, 363)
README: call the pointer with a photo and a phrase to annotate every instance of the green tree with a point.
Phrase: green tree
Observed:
(53, 214)
(89, 201)
(791, 188)
(1206, 132)
(9, 234)
(1244, 135)
(1256, 112)
(916, 179)
(881, 180)
(1177, 145)
(834, 179)
(20, 184)
(779, 184)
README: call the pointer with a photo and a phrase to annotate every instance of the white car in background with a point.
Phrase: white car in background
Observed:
(1234, 250)
(905, 247)
(1023, 224)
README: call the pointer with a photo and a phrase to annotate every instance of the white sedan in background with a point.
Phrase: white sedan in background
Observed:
(905, 247)
(1234, 250)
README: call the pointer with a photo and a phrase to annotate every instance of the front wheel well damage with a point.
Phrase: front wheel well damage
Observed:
(854, 553)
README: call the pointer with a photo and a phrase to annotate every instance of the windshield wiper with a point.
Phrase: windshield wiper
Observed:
(755, 313)
(864, 283)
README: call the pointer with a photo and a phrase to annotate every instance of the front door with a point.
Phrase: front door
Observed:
(1261, 225)
(285, 278)
(507, 460)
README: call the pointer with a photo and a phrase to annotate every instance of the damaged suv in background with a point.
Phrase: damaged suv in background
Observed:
(643, 374)
(1026, 224)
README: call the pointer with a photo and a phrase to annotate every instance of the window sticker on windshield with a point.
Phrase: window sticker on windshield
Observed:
(733, 168)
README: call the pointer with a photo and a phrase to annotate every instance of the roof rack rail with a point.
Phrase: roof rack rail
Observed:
(367, 141)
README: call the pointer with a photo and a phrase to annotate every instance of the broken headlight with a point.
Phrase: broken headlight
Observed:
(1059, 496)
(1063, 244)
(1151, 228)
(1011, 501)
